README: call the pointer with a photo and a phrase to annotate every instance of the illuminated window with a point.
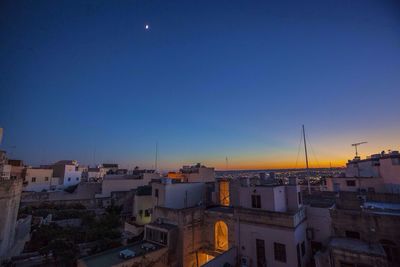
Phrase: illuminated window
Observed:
(221, 236)
(224, 193)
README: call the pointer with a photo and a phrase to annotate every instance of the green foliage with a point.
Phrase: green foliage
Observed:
(64, 251)
(61, 241)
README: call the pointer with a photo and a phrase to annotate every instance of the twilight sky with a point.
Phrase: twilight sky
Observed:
(84, 80)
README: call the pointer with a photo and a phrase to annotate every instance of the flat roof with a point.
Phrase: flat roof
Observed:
(382, 207)
(222, 209)
(356, 245)
(111, 257)
(166, 226)
(122, 177)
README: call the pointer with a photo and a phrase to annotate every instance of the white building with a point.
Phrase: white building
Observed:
(272, 230)
(67, 171)
(377, 173)
(177, 195)
(36, 179)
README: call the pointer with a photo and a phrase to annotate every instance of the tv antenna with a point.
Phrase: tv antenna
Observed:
(356, 145)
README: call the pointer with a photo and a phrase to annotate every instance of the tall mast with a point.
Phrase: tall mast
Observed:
(156, 160)
(305, 151)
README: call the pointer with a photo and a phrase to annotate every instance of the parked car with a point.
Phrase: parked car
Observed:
(148, 246)
(127, 254)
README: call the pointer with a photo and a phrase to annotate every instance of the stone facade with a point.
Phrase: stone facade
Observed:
(10, 194)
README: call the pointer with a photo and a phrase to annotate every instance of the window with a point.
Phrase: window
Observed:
(77, 178)
(147, 213)
(303, 249)
(46, 178)
(352, 234)
(351, 183)
(157, 236)
(163, 238)
(156, 192)
(33, 179)
(260, 250)
(221, 236)
(371, 190)
(298, 255)
(280, 252)
(69, 179)
(299, 195)
(391, 251)
(256, 201)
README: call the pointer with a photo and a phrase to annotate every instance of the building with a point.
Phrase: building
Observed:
(198, 173)
(17, 167)
(94, 174)
(142, 205)
(10, 195)
(110, 168)
(364, 231)
(5, 168)
(36, 179)
(377, 173)
(177, 195)
(262, 225)
(67, 171)
(118, 189)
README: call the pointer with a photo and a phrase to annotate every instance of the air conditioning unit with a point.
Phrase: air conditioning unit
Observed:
(244, 261)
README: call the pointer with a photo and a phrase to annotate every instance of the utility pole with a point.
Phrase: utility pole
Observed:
(305, 151)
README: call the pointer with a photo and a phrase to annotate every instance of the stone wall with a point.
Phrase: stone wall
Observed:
(10, 194)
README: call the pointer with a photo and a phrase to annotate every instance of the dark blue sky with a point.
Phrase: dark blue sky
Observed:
(209, 79)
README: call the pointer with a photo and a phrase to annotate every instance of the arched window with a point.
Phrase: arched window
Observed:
(391, 250)
(221, 236)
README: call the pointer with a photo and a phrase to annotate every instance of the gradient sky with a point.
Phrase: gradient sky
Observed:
(84, 80)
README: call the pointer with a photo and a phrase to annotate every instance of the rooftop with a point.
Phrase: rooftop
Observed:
(222, 209)
(111, 257)
(357, 246)
(122, 177)
(143, 190)
(166, 226)
(382, 207)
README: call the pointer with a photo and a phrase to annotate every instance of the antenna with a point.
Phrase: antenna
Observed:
(226, 163)
(308, 171)
(156, 160)
(356, 145)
